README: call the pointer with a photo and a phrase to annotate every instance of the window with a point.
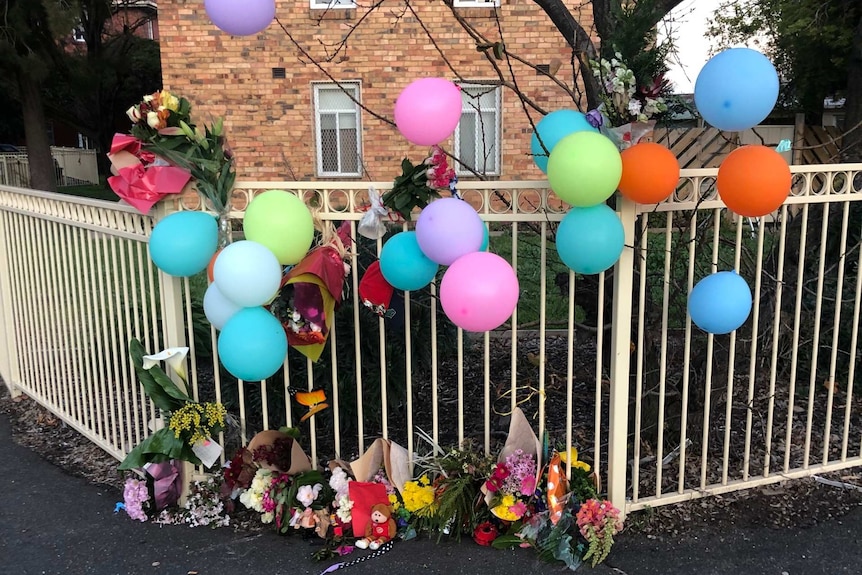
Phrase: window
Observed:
(477, 138)
(332, 4)
(336, 118)
(477, 3)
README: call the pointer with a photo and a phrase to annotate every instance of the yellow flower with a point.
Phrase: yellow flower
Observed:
(169, 101)
(424, 480)
(419, 499)
(575, 463)
(503, 512)
(393, 501)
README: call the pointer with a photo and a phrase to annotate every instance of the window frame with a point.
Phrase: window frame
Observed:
(498, 116)
(316, 119)
(329, 5)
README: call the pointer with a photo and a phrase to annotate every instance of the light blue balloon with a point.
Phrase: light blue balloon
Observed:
(720, 302)
(404, 265)
(247, 273)
(736, 89)
(252, 345)
(217, 308)
(590, 240)
(553, 128)
(183, 243)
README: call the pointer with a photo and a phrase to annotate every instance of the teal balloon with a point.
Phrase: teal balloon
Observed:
(183, 243)
(553, 128)
(585, 169)
(720, 303)
(590, 240)
(252, 345)
(485, 241)
(404, 265)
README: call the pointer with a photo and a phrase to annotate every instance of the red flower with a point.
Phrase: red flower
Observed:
(485, 534)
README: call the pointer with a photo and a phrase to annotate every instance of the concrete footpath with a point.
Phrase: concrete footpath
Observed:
(55, 524)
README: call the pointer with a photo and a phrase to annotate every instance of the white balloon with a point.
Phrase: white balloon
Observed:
(247, 273)
(217, 307)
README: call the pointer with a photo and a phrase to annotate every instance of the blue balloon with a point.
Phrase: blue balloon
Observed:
(553, 128)
(252, 345)
(485, 241)
(736, 89)
(590, 240)
(183, 243)
(720, 302)
(403, 264)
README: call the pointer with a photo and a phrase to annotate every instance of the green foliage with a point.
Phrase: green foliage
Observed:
(409, 190)
(163, 445)
(158, 386)
(809, 41)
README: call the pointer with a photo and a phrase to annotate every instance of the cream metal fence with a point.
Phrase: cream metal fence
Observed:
(608, 364)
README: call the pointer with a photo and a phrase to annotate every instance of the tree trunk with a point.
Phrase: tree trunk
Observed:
(42, 175)
(852, 144)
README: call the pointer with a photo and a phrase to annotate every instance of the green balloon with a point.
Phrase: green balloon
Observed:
(280, 221)
(584, 169)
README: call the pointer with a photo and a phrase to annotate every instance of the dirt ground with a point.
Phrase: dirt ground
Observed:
(797, 503)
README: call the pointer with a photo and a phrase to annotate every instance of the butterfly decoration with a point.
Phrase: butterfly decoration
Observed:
(314, 400)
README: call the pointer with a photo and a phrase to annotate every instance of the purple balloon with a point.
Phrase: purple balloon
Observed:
(428, 111)
(448, 229)
(241, 17)
(479, 292)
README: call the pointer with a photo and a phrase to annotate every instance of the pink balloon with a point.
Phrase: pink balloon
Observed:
(479, 291)
(240, 18)
(428, 111)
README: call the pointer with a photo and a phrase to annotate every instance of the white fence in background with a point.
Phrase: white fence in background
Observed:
(72, 167)
(609, 364)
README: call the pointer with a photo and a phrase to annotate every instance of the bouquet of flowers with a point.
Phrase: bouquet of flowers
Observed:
(628, 111)
(162, 123)
(418, 184)
(598, 522)
(512, 484)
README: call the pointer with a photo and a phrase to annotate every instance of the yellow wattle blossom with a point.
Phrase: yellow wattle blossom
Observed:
(201, 419)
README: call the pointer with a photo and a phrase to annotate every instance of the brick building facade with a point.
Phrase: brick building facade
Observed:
(287, 120)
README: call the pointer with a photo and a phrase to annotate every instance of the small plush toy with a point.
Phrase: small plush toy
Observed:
(381, 528)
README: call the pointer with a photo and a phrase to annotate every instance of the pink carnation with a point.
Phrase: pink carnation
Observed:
(135, 495)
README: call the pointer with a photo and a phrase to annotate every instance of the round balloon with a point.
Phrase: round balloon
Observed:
(736, 89)
(183, 243)
(720, 303)
(590, 240)
(650, 173)
(479, 291)
(753, 181)
(252, 346)
(404, 265)
(449, 228)
(428, 110)
(240, 18)
(553, 128)
(280, 221)
(247, 273)
(584, 169)
(217, 308)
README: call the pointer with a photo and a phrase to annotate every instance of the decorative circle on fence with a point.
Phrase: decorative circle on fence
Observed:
(338, 201)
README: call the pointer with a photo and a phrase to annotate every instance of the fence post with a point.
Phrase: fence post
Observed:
(173, 330)
(9, 369)
(621, 328)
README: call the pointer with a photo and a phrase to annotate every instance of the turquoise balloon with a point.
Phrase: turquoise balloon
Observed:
(183, 243)
(252, 345)
(720, 302)
(485, 241)
(590, 240)
(404, 265)
(553, 128)
(585, 169)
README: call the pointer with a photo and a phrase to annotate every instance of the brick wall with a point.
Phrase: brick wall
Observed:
(270, 121)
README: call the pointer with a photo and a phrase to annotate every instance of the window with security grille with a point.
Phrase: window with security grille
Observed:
(324, 4)
(337, 129)
(477, 138)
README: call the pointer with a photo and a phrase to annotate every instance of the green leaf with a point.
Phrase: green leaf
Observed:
(506, 541)
(163, 445)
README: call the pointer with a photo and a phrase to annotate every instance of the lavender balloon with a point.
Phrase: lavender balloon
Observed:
(448, 229)
(240, 18)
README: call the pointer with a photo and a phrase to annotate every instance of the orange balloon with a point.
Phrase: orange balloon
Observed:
(650, 173)
(211, 265)
(753, 181)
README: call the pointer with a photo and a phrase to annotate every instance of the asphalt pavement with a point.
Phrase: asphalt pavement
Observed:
(54, 524)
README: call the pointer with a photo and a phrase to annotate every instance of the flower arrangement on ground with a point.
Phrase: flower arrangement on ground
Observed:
(513, 484)
(417, 185)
